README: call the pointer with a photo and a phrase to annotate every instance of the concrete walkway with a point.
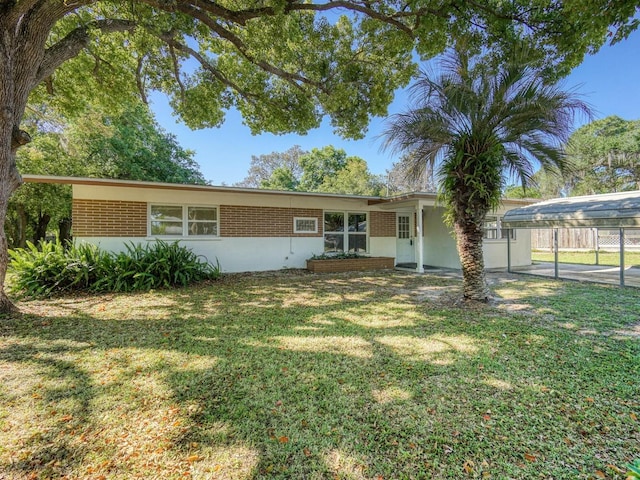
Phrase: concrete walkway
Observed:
(571, 271)
(586, 273)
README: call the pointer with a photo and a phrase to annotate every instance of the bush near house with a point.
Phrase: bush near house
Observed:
(51, 268)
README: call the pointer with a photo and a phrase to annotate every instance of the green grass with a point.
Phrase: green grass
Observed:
(323, 376)
(587, 258)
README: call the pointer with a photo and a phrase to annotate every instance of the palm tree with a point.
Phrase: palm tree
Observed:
(479, 124)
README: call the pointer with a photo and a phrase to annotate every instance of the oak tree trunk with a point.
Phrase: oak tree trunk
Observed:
(16, 81)
(64, 231)
(40, 232)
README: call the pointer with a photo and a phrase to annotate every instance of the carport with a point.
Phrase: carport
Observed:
(612, 210)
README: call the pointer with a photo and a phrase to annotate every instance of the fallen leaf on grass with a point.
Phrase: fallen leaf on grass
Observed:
(600, 474)
(307, 452)
(283, 439)
(193, 458)
(530, 458)
(633, 416)
(468, 467)
(615, 469)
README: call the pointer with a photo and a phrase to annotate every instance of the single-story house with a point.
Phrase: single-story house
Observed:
(252, 229)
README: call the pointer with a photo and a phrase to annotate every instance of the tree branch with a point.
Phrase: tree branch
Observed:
(293, 78)
(171, 41)
(140, 81)
(78, 39)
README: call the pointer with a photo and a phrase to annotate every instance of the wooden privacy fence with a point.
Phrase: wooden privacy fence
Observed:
(585, 239)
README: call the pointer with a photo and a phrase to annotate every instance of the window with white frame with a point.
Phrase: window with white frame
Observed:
(183, 221)
(493, 230)
(305, 225)
(345, 232)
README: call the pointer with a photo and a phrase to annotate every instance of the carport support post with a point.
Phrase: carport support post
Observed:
(596, 242)
(555, 253)
(508, 250)
(622, 257)
(420, 242)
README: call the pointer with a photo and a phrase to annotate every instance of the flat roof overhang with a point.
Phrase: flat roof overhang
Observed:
(611, 210)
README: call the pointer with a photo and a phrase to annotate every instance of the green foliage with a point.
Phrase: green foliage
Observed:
(282, 178)
(402, 179)
(326, 169)
(262, 167)
(337, 256)
(319, 165)
(606, 157)
(52, 268)
(634, 469)
(355, 179)
(517, 191)
(127, 144)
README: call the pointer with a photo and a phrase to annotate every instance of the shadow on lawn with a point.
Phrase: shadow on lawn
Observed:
(333, 378)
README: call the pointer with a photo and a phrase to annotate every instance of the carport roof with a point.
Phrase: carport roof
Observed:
(611, 210)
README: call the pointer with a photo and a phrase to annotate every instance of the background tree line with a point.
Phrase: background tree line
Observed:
(124, 144)
(603, 157)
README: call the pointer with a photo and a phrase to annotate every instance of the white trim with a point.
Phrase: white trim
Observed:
(313, 219)
(184, 220)
(345, 232)
(498, 229)
(420, 239)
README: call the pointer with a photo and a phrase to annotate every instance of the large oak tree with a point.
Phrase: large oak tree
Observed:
(284, 64)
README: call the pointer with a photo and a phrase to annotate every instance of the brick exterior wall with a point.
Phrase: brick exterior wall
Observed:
(242, 221)
(109, 218)
(112, 218)
(350, 264)
(383, 224)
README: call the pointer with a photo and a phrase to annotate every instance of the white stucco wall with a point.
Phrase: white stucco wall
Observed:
(382, 246)
(440, 248)
(236, 254)
(439, 244)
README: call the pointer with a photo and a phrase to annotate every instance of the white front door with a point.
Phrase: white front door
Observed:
(405, 250)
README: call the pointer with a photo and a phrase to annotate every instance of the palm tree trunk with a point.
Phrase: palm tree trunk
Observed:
(469, 237)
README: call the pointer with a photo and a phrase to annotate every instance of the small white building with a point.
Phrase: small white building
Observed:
(253, 229)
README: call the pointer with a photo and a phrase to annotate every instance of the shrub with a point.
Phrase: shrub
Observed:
(50, 268)
(337, 256)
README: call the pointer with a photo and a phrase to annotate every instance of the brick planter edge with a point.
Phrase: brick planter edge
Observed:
(350, 264)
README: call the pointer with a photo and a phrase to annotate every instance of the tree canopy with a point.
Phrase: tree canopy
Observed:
(402, 179)
(326, 169)
(606, 157)
(263, 167)
(125, 145)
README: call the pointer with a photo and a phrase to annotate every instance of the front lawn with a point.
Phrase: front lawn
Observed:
(346, 376)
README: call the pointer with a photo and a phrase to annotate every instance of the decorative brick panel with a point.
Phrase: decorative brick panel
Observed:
(109, 218)
(350, 264)
(383, 224)
(249, 221)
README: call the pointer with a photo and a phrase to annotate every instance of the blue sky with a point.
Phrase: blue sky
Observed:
(609, 81)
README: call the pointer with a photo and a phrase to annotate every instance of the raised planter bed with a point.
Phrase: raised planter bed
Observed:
(349, 264)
